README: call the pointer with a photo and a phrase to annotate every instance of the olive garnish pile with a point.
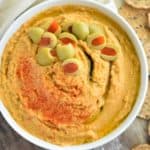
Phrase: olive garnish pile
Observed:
(55, 41)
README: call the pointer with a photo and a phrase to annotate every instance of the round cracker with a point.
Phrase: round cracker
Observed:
(141, 4)
(147, 49)
(148, 15)
(138, 20)
(142, 147)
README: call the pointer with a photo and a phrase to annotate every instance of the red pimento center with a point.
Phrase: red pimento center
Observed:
(108, 51)
(70, 67)
(53, 27)
(67, 40)
(53, 52)
(44, 41)
(98, 41)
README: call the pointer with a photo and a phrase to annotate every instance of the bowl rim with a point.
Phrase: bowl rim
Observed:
(139, 50)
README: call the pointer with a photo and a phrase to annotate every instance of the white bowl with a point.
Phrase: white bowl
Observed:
(139, 50)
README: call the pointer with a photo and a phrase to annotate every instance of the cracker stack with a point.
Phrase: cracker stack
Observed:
(138, 19)
(141, 4)
(137, 13)
(142, 147)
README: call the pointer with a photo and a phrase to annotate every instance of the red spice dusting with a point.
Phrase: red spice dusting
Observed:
(60, 111)
(98, 41)
(18, 73)
(53, 27)
(45, 41)
(67, 41)
(38, 98)
(70, 68)
(108, 51)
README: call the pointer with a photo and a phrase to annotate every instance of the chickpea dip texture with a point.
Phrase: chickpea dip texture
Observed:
(69, 108)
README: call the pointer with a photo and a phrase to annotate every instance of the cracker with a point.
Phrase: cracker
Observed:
(142, 147)
(137, 18)
(149, 19)
(141, 4)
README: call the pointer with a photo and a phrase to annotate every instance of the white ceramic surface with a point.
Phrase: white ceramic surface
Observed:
(9, 10)
(106, 9)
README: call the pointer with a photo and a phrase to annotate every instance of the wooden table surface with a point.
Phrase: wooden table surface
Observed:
(134, 135)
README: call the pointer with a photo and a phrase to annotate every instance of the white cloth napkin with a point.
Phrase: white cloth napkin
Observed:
(10, 9)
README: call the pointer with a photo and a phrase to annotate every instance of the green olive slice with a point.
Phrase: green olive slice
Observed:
(67, 38)
(109, 52)
(35, 34)
(96, 41)
(44, 56)
(48, 40)
(72, 66)
(51, 26)
(65, 51)
(67, 27)
(80, 29)
(95, 28)
(45, 24)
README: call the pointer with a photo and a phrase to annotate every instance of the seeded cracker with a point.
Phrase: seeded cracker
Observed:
(142, 147)
(137, 18)
(149, 19)
(142, 4)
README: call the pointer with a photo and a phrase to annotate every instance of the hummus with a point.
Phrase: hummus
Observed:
(69, 109)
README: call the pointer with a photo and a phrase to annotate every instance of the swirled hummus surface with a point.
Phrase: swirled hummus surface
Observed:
(69, 109)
